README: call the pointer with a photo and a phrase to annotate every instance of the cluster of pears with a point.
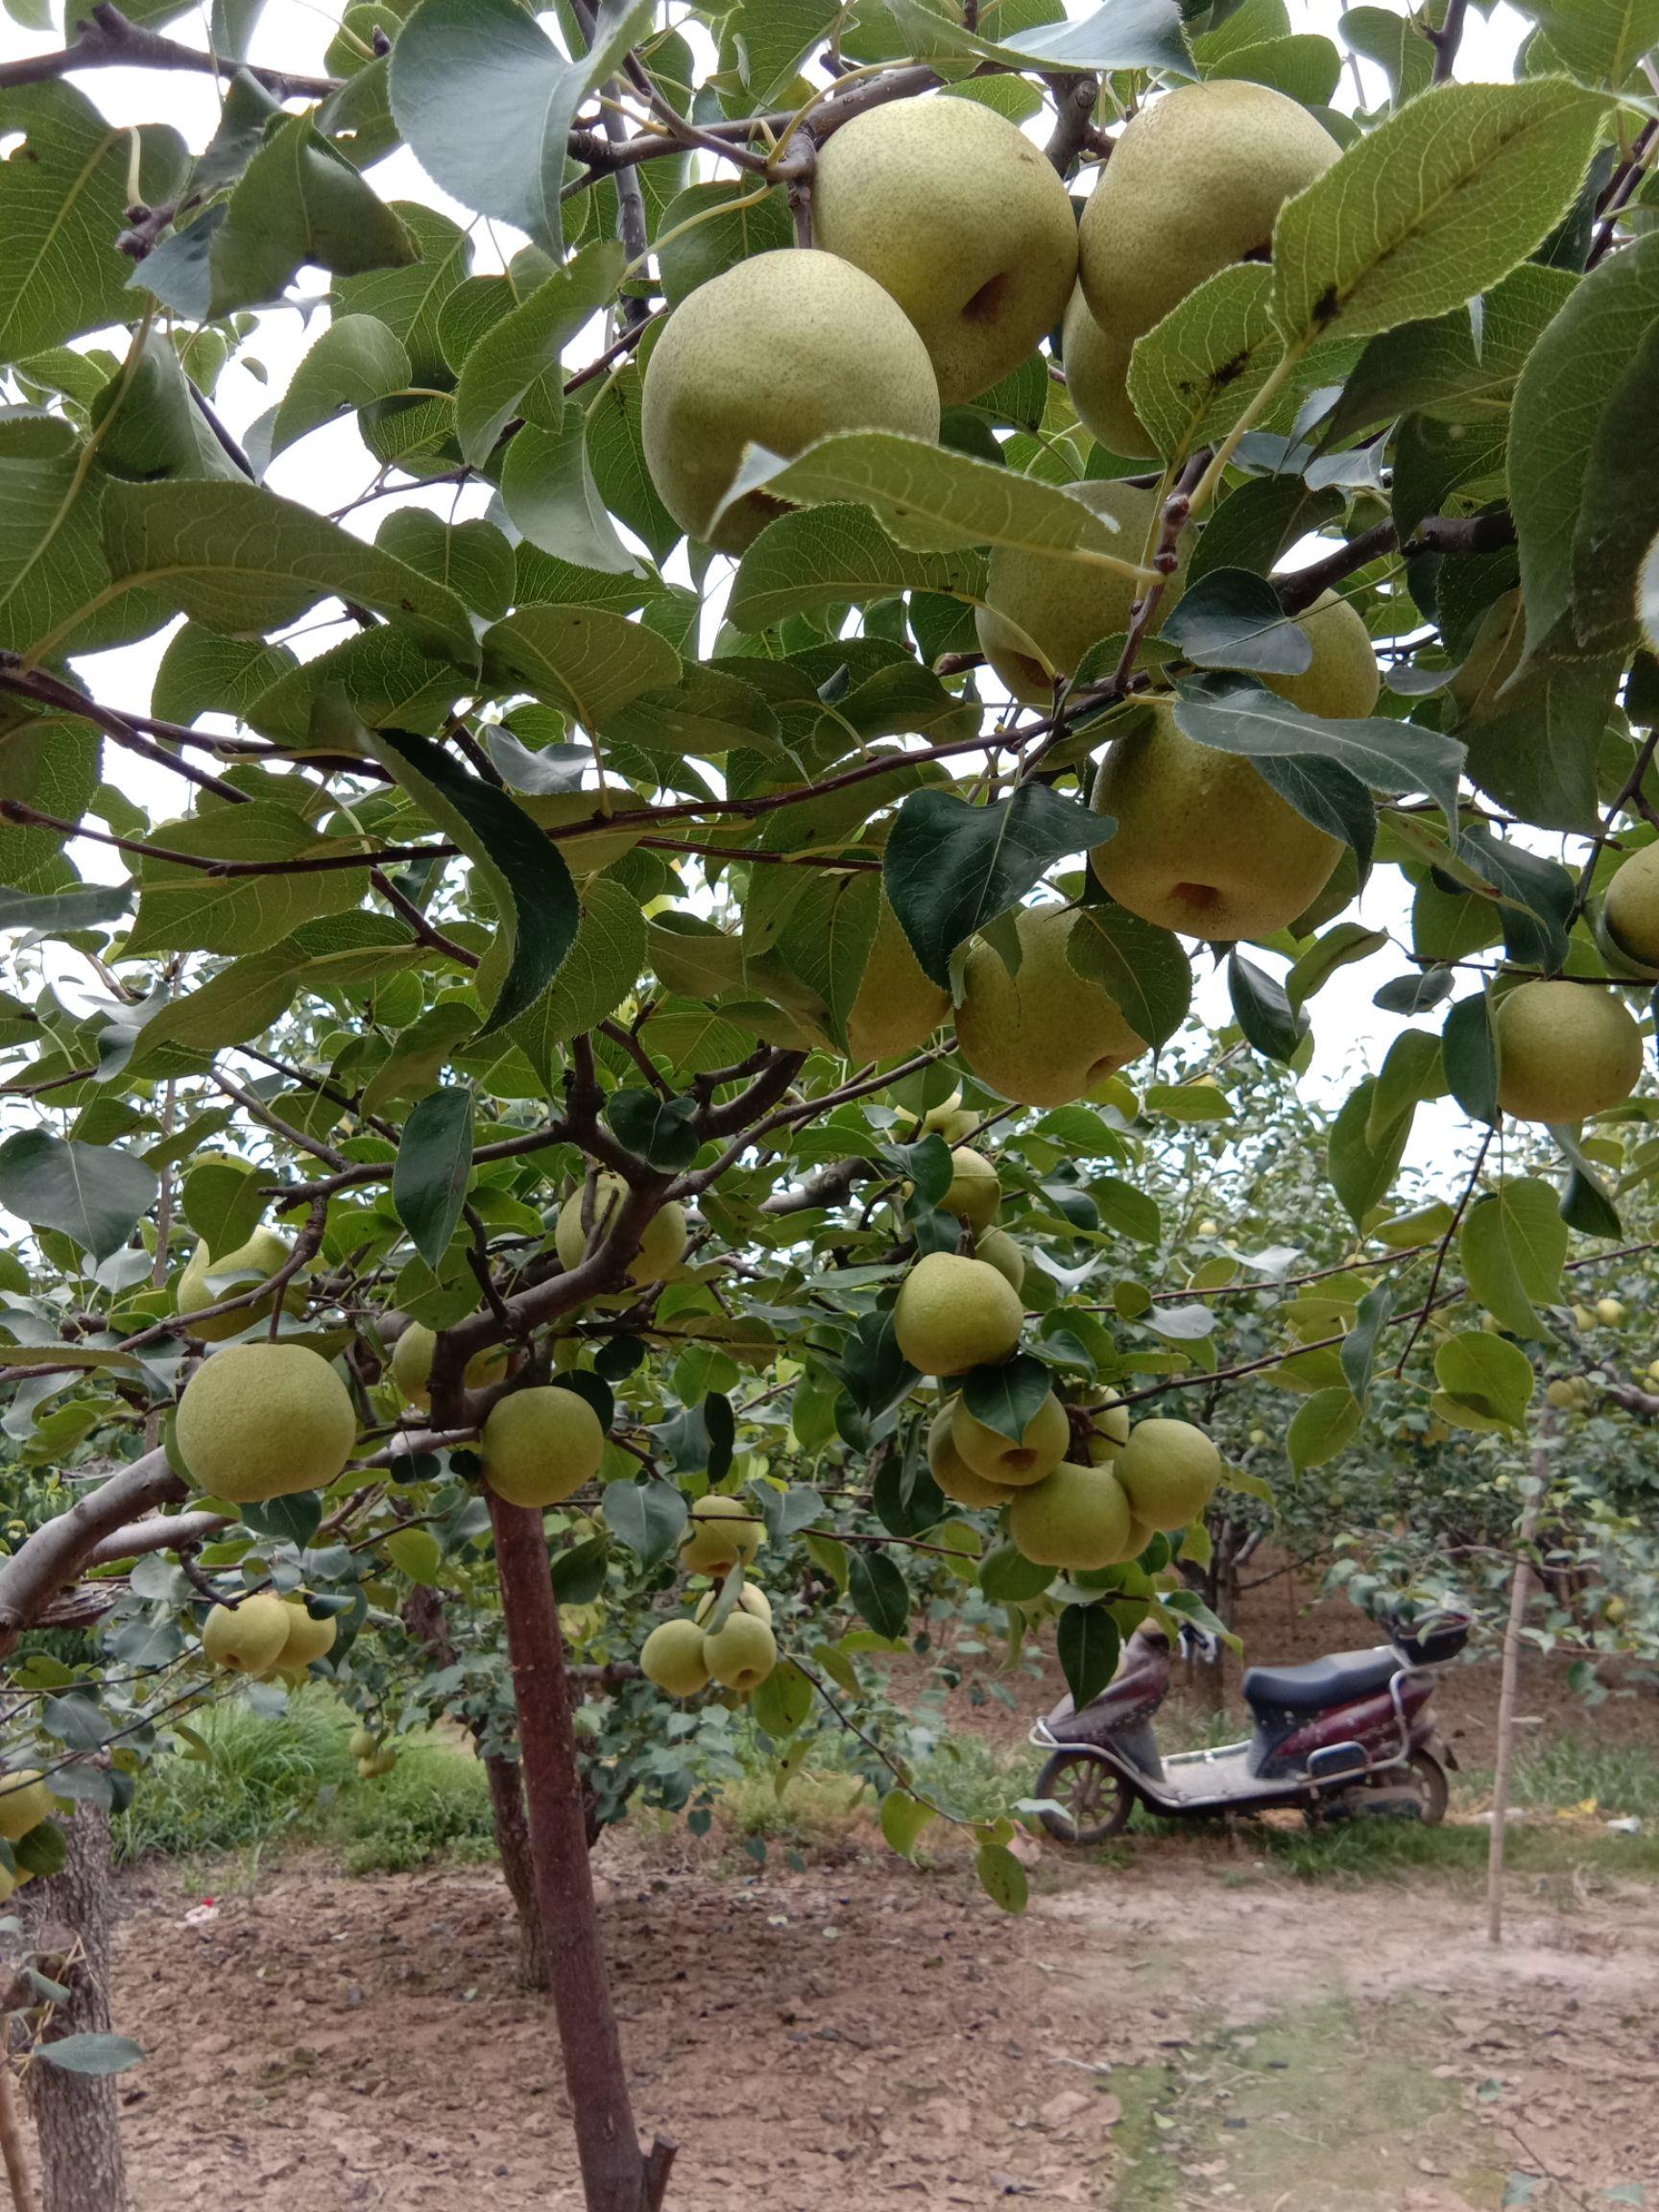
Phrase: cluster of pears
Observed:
(267, 1636)
(373, 1754)
(685, 1655)
(257, 1259)
(25, 1802)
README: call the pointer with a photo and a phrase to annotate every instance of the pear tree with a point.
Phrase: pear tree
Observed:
(690, 709)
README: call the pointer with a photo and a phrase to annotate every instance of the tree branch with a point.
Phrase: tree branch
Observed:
(108, 40)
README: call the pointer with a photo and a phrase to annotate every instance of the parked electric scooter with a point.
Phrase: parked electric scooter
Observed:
(1343, 1736)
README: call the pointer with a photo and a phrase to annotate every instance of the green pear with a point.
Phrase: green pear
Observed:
(1097, 364)
(674, 1657)
(412, 1365)
(263, 1254)
(974, 1191)
(1342, 681)
(720, 1533)
(1205, 845)
(25, 1801)
(261, 1421)
(1565, 1051)
(954, 1313)
(997, 1458)
(248, 1639)
(1078, 1518)
(1061, 607)
(952, 1473)
(540, 1445)
(364, 1744)
(750, 1598)
(998, 1250)
(307, 1639)
(660, 1249)
(742, 1654)
(1108, 1429)
(778, 351)
(1610, 1311)
(1168, 1470)
(949, 1120)
(962, 219)
(1047, 1035)
(896, 1008)
(1631, 912)
(378, 1762)
(1195, 181)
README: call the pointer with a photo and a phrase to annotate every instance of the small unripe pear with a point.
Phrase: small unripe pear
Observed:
(750, 1599)
(1565, 1051)
(673, 1657)
(1632, 910)
(742, 1654)
(1108, 1429)
(957, 214)
(261, 1421)
(1077, 1518)
(307, 1639)
(954, 1313)
(720, 1533)
(263, 1254)
(998, 1250)
(25, 1801)
(1205, 845)
(1170, 1471)
(1047, 1035)
(412, 1365)
(784, 348)
(1609, 1311)
(951, 1472)
(1560, 1393)
(540, 1445)
(1342, 681)
(247, 1639)
(659, 1248)
(364, 1744)
(896, 1008)
(974, 1191)
(997, 1458)
(1097, 363)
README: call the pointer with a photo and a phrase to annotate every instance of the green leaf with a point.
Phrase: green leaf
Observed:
(783, 1701)
(203, 673)
(356, 360)
(723, 233)
(1005, 1397)
(472, 559)
(486, 101)
(1086, 1644)
(185, 909)
(878, 1591)
(1122, 34)
(1232, 619)
(615, 444)
(236, 558)
(409, 300)
(931, 500)
(584, 660)
(231, 1008)
(1131, 1212)
(91, 2053)
(1469, 1052)
(151, 426)
(1339, 948)
(433, 1168)
(598, 973)
(1002, 1877)
(1585, 1205)
(950, 868)
(1578, 433)
(1207, 359)
(383, 675)
(1358, 1354)
(1538, 896)
(904, 1818)
(1139, 965)
(418, 1553)
(580, 1574)
(56, 912)
(1601, 40)
(829, 555)
(1393, 756)
(1513, 1245)
(223, 1202)
(526, 347)
(63, 196)
(1537, 751)
(1440, 202)
(1488, 1379)
(660, 1130)
(1324, 1425)
(301, 201)
(52, 562)
(645, 1516)
(1364, 1162)
(1261, 1008)
(1008, 1577)
(94, 1193)
(548, 491)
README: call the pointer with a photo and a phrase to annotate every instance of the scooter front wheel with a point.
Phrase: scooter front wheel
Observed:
(1095, 1798)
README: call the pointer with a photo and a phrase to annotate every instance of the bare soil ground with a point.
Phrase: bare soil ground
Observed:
(1183, 2029)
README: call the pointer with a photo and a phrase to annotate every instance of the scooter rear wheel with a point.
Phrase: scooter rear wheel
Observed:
(1096, 1799)
(1430, 1777)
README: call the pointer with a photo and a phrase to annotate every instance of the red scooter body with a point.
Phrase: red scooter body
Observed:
(1347, 1734)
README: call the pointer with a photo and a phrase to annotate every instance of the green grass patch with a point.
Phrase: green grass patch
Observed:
(434, 1804)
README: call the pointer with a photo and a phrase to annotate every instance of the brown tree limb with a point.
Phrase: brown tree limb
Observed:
(106, 40)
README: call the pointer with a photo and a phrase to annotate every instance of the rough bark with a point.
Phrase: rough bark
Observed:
(77, 2115)
(512, 1841)
(617, 2177)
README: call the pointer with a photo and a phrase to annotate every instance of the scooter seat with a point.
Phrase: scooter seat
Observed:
(1322, 1682)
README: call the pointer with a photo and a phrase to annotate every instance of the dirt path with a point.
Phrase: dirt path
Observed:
(1183, 2032)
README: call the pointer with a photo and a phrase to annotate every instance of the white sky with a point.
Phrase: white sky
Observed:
(331, 465)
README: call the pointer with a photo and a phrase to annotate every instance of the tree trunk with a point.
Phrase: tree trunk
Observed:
(517, 1863)
(77, 2115)
(616, 2175)
(11, 2147)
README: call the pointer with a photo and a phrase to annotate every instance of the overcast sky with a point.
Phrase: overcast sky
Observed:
(327, 467)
